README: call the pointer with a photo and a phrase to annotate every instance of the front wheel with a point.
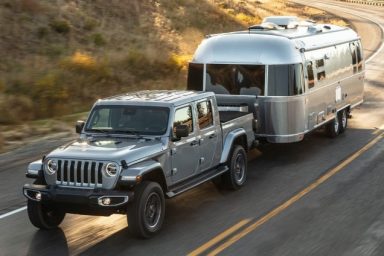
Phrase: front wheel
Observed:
(44, 216)
(236, 176)
(146, 212)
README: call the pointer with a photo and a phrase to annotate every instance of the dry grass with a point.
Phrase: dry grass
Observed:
(60, 56)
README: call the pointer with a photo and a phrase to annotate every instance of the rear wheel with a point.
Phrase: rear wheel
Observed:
(44, 216)
(333, 127)
(343, 120)
(236, 176)
(146, 212)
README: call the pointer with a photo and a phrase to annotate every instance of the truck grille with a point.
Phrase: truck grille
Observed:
(80, 173)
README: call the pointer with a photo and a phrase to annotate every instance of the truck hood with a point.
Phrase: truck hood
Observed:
(109, 149)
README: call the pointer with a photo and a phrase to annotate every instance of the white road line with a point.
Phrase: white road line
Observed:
(12, 212)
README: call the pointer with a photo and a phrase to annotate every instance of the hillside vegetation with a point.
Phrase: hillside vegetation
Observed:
(57, 57)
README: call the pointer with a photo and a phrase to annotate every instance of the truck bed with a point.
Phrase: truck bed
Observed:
(226, 116)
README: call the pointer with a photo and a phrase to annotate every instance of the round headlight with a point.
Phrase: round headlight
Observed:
(111, 169)
(52, 166)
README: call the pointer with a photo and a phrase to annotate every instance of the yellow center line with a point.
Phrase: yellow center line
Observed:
(286, 204)
(219, 237)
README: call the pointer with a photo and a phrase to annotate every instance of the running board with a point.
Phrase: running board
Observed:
(193, 182)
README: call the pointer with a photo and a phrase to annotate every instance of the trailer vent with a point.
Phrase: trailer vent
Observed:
(266, 26)
(287, 22)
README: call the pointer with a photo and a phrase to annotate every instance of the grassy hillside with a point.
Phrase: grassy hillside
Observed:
(59, 56)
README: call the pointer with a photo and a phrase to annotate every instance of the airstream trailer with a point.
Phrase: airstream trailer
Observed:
(294, 76)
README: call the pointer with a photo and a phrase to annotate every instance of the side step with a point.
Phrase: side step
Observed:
(195, 181)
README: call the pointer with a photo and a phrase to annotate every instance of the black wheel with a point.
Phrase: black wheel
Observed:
(333, 127)
(343, 120)
(44, 216)
(236, 176)
(146, 212)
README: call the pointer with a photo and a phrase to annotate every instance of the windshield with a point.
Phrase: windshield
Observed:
(235, 79)
(136, 120)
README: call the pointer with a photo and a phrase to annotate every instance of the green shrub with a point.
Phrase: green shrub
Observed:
(54, 50)
(60, 26)
(98, 39)
(90, 24)
(42, 32)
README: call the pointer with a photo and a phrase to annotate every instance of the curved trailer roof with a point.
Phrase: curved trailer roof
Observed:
(267, 46)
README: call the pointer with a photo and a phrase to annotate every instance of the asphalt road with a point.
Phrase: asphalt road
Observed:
(318, 197)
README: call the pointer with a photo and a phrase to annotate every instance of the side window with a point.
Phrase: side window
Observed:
(311, 77)
(321, 70)
(183, 116)
(359, 58)
(205, 116)
(352, 48)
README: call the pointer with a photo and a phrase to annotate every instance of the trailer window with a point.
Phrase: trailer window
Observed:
(353, 49)
(285, 80)
(359, 57)
(311, 77)
(235, 79)
(195, 77)
(320, 69)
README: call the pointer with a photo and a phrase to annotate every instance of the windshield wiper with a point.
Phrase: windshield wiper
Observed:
(105, 131)
(130, 132)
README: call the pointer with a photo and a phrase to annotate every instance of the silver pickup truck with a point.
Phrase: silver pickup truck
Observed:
(134, 151)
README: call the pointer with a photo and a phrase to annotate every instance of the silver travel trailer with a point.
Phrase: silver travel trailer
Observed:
(293, 76)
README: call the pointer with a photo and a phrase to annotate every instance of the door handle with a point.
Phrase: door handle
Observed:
(194, 143)
(213, 135)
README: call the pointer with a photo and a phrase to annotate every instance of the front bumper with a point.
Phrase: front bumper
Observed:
(80, 200)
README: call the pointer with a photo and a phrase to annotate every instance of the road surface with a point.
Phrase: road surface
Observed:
(318, 197)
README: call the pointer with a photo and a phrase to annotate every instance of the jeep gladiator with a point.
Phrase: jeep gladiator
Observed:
(134, 151)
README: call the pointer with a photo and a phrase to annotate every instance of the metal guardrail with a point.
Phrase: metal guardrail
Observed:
(367, 2)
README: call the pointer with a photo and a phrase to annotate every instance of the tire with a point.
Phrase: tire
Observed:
(236, 176)
(146, 213)
(44, 216)
(333, 127)
(343, 120)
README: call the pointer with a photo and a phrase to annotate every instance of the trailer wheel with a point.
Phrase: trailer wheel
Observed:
(44, 216)
(333, 127)
(343, 120)
(146, 212)
(236, 176)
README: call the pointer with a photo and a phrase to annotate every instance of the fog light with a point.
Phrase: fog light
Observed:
(105, 201)
(38, 196)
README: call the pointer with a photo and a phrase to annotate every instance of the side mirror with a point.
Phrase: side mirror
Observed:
(79, 126)
(182, 130)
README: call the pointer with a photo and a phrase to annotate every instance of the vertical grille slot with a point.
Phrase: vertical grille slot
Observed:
(79, 173)
(93, 170)
(66, 174)
(72, 171)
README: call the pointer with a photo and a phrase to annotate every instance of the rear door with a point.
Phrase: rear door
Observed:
(209, 134)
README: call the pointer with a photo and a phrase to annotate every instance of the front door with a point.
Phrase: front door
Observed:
(185, 152)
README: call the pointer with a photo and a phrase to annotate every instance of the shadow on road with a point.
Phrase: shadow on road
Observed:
(52, 242)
